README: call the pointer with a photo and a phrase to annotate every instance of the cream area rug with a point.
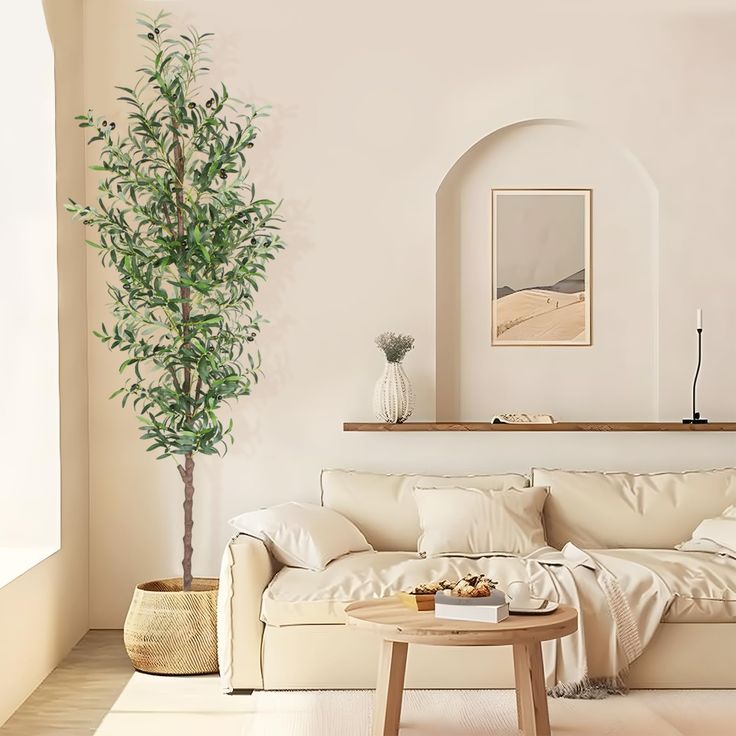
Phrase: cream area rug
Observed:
(194, 706)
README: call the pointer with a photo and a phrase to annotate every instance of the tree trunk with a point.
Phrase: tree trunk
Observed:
(187, 475)
(187, 472)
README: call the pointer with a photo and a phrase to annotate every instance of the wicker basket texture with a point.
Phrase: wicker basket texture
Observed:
(171, 632)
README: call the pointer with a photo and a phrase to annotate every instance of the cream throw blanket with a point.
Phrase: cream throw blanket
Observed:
(620, 605)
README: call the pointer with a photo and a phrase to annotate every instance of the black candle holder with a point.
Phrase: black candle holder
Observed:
(696, 418)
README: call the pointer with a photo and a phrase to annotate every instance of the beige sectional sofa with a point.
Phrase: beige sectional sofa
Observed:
(283, 628)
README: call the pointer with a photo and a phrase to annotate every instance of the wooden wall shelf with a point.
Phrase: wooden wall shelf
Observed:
(557, 427)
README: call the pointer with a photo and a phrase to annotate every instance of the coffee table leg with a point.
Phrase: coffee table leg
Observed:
(531, 694)
(390, 688)
(520, 682)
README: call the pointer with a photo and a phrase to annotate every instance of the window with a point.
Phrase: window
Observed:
(29, 371)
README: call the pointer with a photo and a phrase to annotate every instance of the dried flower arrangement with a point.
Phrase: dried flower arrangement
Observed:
(395, 347)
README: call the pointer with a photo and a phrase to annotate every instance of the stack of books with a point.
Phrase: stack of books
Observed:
(490, 609)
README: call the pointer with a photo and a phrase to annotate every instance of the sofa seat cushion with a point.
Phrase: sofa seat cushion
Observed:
(298, 596)
(704, 584)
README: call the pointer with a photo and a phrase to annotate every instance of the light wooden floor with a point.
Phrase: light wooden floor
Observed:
(77, 695)
(95, 691)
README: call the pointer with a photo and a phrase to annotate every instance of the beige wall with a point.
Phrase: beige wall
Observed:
(372, 107)
(45, 611)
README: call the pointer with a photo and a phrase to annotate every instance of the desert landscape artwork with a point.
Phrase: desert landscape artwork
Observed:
(540, 282)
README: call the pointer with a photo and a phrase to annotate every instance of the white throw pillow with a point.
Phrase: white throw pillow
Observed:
(716, 535)
(302, 534)
(474, 522)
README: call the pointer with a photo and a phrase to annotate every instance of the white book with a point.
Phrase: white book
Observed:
(484, 613)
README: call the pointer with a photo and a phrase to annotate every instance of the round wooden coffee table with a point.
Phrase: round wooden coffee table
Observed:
(398, 627)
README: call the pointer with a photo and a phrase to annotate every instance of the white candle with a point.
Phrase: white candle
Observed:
(700, 319)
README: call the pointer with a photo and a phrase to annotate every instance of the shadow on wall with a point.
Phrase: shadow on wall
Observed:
(475, 380)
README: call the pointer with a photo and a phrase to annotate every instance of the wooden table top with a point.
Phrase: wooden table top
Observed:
(394, 622)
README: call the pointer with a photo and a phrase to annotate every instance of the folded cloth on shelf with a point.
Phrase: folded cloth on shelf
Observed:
(522, 419)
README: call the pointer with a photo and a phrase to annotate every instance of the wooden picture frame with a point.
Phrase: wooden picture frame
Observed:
(541, 267)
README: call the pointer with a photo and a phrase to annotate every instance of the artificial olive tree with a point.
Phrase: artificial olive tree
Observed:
(179, 223)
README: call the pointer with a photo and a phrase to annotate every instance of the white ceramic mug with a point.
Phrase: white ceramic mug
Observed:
(519, 594)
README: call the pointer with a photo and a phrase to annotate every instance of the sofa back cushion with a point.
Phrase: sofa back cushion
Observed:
(383, 506)
(614, 510)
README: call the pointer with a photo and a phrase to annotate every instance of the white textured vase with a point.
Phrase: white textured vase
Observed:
(393, 398)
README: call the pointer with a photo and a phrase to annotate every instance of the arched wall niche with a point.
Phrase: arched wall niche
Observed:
(614, 378)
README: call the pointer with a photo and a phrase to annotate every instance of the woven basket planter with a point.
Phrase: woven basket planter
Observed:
(171, 632)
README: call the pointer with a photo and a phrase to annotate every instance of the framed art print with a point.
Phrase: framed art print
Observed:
(540, 263)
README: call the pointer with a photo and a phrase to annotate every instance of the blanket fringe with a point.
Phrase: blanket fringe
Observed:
(590, 688)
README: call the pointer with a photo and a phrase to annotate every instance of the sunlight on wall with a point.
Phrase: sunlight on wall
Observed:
(29, 371)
